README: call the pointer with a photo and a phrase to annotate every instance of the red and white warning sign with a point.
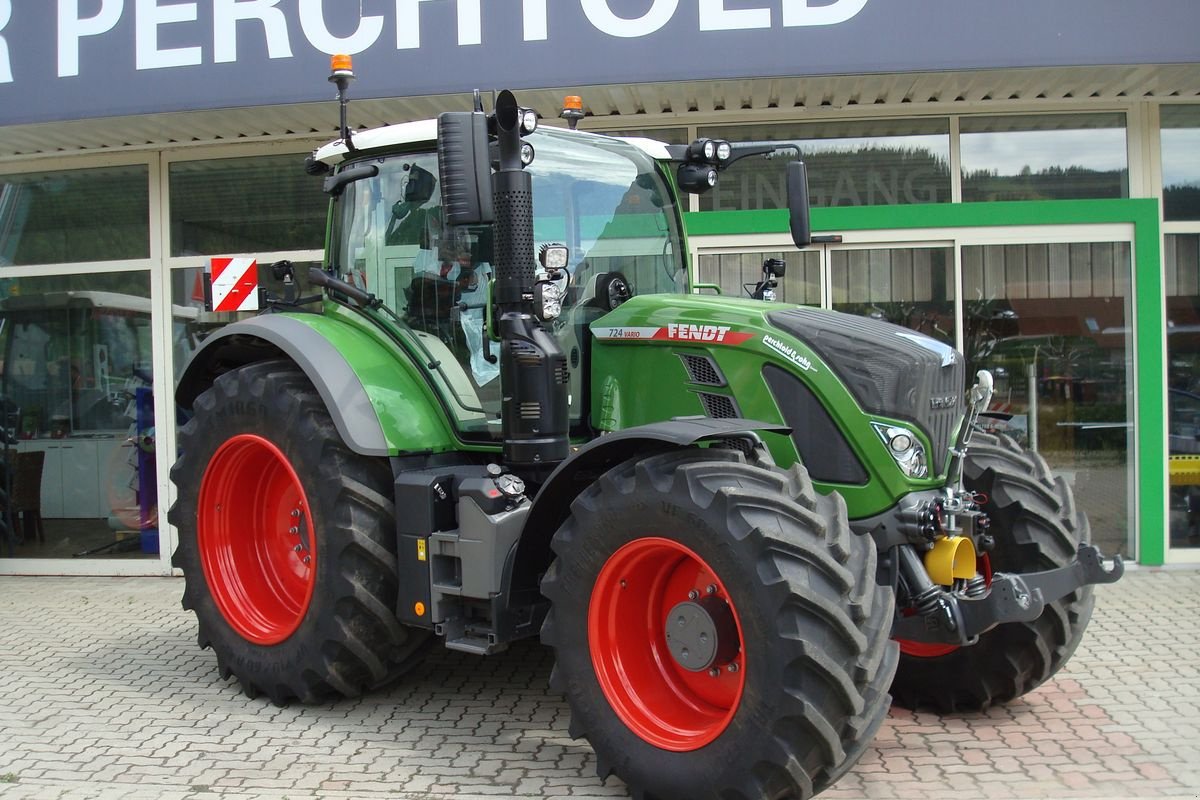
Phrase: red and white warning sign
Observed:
(234, 284)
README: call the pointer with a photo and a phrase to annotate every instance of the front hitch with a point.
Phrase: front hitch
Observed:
(952, 618)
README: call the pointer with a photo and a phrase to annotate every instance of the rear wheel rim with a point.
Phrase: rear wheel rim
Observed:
(659, 700)
(255, 538)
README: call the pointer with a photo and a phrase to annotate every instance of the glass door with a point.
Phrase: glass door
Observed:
(1052, 320)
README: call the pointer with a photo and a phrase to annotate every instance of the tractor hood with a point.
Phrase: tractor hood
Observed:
(891, 371)
(842, 383)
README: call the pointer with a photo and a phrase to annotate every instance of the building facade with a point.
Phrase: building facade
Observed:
(1021, 182)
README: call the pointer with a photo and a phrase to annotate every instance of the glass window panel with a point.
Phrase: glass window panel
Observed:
(854, 163)
(909, 286)
(1044, 157)
(1181, 162)
(75, 380)
(100, 214)
(245, 205)
(1052, 323)
(1182, 261)
(738, 273)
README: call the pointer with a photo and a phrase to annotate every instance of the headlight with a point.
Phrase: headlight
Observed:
(553, 256)
(529, 121)
(905, 448)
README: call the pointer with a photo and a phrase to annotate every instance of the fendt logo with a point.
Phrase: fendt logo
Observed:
(697, 333)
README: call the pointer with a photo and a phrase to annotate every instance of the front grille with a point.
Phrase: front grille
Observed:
(890, 370)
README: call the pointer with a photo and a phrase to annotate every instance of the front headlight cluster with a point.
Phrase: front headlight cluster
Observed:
(905, 448)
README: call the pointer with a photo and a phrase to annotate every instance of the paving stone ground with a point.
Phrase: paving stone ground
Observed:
(104, 694)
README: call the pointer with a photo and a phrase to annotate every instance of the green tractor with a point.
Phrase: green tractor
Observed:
(742, 526)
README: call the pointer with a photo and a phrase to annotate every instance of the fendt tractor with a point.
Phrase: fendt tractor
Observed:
(742, 526)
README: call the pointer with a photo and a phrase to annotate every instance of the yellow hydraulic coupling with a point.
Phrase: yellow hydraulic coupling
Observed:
(951, 557)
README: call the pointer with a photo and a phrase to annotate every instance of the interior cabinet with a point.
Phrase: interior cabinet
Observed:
(77, 474)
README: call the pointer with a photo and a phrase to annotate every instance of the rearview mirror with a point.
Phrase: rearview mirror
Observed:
(797, 193)
(465, 168)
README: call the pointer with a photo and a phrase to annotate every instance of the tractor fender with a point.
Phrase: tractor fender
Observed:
(348, 399)
(552, 504)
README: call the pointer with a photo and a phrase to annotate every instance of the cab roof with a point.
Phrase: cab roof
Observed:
(425, 132)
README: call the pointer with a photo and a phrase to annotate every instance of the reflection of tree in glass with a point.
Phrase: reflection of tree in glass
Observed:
(1181, 202)
(1052, 183)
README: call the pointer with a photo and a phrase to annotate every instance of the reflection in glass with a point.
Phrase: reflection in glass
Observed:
(854, 163)
(738, 273)
(78, 415)
(667, 135)
(1044, 157)
(1052, 324)
(1181, 162)
(100, 214)
(245, 205)
(908, 286)
(1182, 262)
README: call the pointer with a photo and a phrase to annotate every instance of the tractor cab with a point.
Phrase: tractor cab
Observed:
(607, 200)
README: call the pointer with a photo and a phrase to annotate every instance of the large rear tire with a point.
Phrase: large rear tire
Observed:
(1037, 527)
(287, 542)
(782, 683)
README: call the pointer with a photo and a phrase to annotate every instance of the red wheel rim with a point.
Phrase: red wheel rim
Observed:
(658, 699)
(257, 546)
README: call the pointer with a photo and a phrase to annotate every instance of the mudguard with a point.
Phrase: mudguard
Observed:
(379, 404)
(553, 501)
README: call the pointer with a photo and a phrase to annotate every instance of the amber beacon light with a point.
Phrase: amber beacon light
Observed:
(572, 110)
(341, 72)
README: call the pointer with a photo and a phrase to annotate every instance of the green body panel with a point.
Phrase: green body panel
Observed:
(639, 380)
(410, 414)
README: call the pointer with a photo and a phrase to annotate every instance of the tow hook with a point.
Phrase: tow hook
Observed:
(951, 618)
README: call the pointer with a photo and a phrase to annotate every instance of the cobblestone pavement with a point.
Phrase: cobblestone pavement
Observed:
(103, 693)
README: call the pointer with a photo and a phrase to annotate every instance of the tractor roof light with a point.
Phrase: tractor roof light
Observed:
(696, 178)
(701, 150)
(553, 257)
(709, 151)
(529, 121)
(527, 154)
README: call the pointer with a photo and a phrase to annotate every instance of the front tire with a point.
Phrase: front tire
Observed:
(781, 686)
(1036, 527)
(287, 542)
